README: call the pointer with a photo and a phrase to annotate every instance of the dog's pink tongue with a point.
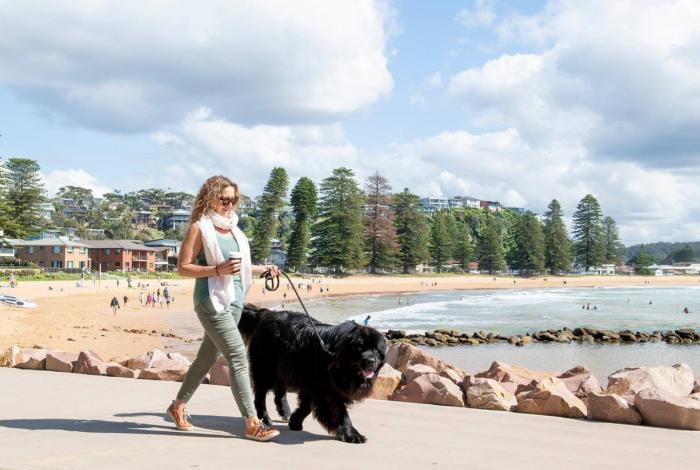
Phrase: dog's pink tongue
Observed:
(368, 373)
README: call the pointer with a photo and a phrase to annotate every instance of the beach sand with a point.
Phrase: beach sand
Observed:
(74, 319)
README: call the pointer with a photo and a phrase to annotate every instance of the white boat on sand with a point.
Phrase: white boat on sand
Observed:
(16, 302)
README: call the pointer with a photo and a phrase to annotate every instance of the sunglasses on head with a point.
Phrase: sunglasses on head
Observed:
(228, 200)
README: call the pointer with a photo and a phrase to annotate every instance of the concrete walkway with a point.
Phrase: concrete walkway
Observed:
(68, 421)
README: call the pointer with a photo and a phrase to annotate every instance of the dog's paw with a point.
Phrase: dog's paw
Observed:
(295, 425)
(353, 438)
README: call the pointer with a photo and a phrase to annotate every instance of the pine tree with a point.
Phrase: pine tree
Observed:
(441, 247)
(338, 240)
(266, 224)
(589, 246)
(611, 241)
(464, 246)
(557, 247)
(411, 230)
(490, 247)
(25, 190)
(381, 245)
(7, 224)
(642, 261)
(529, 244)
(303, 207)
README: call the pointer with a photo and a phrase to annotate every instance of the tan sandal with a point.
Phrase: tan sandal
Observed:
(262, 432)
(180, 417)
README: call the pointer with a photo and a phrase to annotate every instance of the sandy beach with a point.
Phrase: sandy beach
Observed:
(73, 319)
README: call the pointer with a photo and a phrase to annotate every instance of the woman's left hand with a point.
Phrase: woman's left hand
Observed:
(271, 270)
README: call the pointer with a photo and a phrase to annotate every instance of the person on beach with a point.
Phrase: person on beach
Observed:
(115, 305)
(220, 288)
(125, 299)
(141, 298)
(686, 311)
(366, 320)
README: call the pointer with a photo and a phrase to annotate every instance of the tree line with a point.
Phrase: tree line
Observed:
(343, 226)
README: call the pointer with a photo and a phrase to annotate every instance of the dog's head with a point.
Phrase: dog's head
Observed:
(359, 354)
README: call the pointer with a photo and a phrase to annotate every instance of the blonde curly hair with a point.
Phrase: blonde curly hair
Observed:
(209, 193)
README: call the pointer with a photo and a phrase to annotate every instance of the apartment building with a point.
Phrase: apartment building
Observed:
(123, 255)
(54, 253)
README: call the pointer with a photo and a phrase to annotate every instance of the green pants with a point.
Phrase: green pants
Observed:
(221, 336)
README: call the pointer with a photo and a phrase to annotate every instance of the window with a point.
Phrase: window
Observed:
(83, 250)
(69, 249)
(56, 250)
(82, 265)
(117, 264)
(30, 250)
(56, 264)
(127, 251)
(105, 251)
(117, 251)
(69, 264)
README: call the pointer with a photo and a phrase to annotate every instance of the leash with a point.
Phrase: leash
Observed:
(272, 283)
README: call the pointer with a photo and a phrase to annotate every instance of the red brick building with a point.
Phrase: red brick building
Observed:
(123, 255)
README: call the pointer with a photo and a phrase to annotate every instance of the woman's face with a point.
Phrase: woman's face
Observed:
(225, 202)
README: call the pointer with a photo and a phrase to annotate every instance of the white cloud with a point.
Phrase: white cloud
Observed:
(481, 15)
(73, 177)
(212, 145)
(125, 66)
(435, 80)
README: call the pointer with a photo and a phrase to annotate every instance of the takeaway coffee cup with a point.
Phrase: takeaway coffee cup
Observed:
(234, 255)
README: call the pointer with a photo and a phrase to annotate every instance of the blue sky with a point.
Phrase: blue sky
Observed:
(518, 101)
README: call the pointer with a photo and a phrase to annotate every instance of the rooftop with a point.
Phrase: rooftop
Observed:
(58, 241)
(123, 244)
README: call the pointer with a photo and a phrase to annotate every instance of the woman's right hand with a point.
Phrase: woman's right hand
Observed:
(229, 267)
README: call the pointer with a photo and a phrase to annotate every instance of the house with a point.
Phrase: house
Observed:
(493, 206)
(176, 219)
(430, 205)
(474, 267)
(123, 255)
(56, 254)
(45, 209)
(171, 249)
(7, 248)
(143, 218)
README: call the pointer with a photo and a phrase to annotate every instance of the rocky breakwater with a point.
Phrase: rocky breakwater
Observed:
(656, 396)
(667, 396)
(565, 335)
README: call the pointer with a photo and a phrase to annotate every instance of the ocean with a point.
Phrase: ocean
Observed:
(519, 311)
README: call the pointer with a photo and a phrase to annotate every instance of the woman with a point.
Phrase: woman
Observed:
(220, 287)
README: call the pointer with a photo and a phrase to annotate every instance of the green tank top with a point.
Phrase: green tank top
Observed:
(201, 284)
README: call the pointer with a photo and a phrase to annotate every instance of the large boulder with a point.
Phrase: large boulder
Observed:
(416, 370)
(154, 358)
(219, 372)
(663, 408)
(511, 376)
(10, 356)
(580, 381)
(385, 384)
(487, 394)
(402, 355)
(629, 382)
(115, 369)
(90, 363)
(430, 389)
(549, 396)
(612, 408)
(60, 361)
(696, 385)
(169, 375)
(30, 358)
(178, 359)
(453, 375)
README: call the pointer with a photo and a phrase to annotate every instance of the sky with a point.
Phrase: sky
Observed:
(516, 101)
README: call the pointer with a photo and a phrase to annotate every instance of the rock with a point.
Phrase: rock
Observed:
(696, 385)
(219, 372)
(487, 394)
(115, 369)
(663, 408)
(402, 355)
(453, 375)
(630, 381)
(155, 358)
(89, 363)
(34, 359)
(549, 396)
(612, 408)
(416, 370)
(580, 381)
(527, 339)
(9, 357)
(60, 361)
(686, 333)
(430, 389)
(385, 384)
(511, 376)
(171, 375)
(179, 359)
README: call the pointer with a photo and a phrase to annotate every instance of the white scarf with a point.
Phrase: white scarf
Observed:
(221, 290)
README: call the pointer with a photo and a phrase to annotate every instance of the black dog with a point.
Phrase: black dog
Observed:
(285, 353)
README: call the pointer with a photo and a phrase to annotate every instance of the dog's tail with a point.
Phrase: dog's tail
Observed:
(248, 322)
